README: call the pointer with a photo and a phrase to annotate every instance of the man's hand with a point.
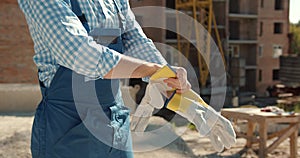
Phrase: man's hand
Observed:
(180, 83)
(162, 82)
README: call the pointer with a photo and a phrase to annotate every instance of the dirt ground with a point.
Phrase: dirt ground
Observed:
(15, 143)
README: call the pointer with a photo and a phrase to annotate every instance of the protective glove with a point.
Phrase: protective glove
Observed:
(153, 98)
(208, 122)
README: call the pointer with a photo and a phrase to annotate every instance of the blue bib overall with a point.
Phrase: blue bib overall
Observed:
(81, 119)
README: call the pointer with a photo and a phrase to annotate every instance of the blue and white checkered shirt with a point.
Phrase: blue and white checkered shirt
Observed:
(60, 38)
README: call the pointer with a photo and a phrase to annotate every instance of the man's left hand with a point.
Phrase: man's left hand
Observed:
(180, 83)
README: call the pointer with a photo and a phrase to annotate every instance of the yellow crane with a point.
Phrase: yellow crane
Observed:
(202, 12)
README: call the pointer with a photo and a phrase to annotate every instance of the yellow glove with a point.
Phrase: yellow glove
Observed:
(192, 107)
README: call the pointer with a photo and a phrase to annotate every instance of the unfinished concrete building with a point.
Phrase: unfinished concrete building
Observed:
(254, 33)
(258, 34)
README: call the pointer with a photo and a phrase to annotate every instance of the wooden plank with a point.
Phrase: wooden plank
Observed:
(283, 137)
(291, 119)
(293, 142)
(242, 113)
(263, 139)
(250, 133)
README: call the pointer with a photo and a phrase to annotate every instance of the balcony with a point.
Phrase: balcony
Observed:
(242, 31)
(243, 9)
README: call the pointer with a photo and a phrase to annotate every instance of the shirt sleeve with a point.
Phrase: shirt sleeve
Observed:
(136, 42)
(64, 36)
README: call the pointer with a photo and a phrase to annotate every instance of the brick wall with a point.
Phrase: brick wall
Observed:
(16, 46)
(266, 63)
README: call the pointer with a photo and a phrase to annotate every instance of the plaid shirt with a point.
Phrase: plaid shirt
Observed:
(60, 38)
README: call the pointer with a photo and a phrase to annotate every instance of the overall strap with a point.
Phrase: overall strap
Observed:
(76, 9)
(121, 17)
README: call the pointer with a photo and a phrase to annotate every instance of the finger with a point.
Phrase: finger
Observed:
(223, 137)
(181, 73)
(229, 128)
(229, 131)
(181, 90)
(216, 143)
(231, 138)
(184, 89)
(175, 83)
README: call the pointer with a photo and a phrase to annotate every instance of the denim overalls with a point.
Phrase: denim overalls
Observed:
(81, 119)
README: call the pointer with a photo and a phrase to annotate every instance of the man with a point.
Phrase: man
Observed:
(68, 54)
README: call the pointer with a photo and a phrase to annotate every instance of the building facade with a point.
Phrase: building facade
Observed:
(258, 35)
(254, 33)
(273, 41)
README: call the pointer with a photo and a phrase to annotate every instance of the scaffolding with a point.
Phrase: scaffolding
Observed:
(202, 12)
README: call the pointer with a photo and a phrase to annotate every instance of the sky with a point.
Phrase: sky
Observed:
(294, 11)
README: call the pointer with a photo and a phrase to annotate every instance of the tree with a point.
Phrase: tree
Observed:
(295, 38)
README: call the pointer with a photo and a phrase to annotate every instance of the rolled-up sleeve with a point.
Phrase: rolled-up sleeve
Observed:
(64, 36)
(136, 42)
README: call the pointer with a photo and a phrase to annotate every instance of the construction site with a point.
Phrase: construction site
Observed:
(261, 86)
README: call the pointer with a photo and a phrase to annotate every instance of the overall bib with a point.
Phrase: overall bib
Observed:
(81, 119)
